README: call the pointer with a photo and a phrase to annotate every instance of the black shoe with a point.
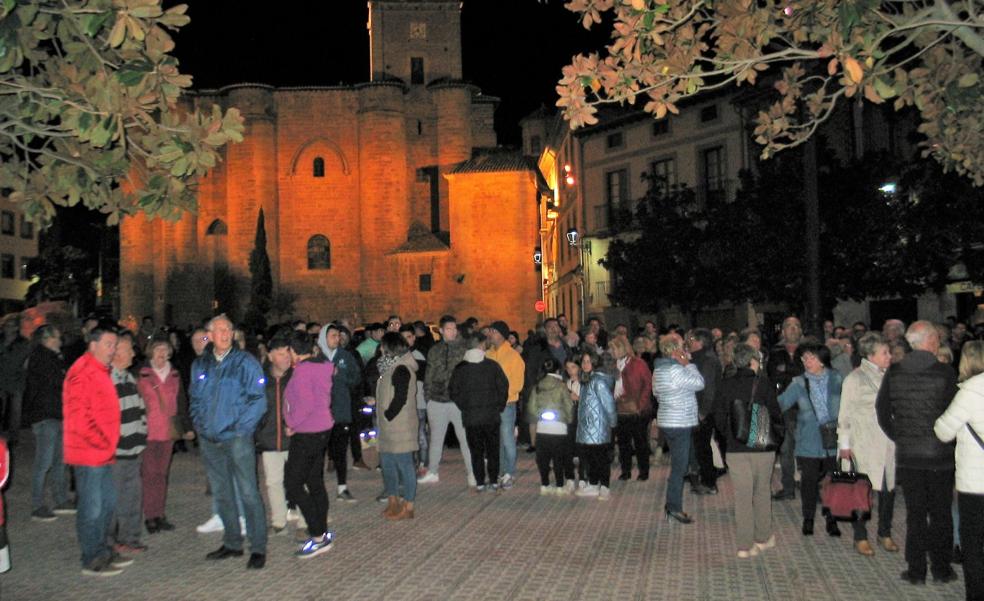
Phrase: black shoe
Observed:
(642, 477)
(625, 476)
(679, 516)
(163, 524)
(784, 495)
(256, 561)
(948, 576)
(225, 552)
(531, 449)
(807, 527)
(152, 526)
(832, 528)
(957, 555)
(700, 489)
(911, 578)
(722, 471)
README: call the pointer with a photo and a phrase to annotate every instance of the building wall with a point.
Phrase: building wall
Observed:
(385, 147)
(18, 245)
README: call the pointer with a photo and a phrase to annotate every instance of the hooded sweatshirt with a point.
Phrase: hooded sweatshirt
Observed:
(479, 388)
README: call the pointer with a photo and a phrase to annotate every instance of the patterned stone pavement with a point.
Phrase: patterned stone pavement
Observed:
(516, 545)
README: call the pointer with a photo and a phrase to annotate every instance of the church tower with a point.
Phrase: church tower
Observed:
(417, 41)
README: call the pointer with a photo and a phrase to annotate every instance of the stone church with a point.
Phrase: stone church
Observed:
(385, 197)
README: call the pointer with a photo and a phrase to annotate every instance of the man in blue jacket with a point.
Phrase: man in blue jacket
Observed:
(347, 376)
(228, 400)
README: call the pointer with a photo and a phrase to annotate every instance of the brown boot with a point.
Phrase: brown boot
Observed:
(406, 512)
(392, 508)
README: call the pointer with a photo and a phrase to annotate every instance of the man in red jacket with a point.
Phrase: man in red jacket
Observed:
(91, 412)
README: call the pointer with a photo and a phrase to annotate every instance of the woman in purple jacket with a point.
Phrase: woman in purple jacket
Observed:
(307, 413)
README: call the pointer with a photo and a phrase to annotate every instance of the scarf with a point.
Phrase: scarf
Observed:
(385, 363)
(163, 372)
(818, 394)
(619, 389)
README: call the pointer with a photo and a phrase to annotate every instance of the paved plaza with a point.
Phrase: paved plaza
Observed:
(462, 545)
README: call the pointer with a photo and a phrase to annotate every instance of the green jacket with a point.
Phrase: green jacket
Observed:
(441, 361)
(550, 394)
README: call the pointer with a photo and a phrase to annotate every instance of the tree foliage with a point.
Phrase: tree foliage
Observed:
(261, 279)
(873, 244)
(61, 273)
(922, 53)
(89, 109)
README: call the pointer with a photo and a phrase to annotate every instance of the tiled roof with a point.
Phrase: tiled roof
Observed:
(420, 239)
(500, 160)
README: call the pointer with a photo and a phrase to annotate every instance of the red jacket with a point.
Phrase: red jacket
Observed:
(636, 383)
(4, 472)
(91, 411)
(163, 400)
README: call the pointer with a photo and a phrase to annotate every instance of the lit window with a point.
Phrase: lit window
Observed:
(319, 167)
(319, 252)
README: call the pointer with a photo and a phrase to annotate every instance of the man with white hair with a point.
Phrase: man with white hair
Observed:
(913, 394)
(228, 400)
(893, 330)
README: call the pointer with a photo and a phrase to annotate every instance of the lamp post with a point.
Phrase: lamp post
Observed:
(574, 240)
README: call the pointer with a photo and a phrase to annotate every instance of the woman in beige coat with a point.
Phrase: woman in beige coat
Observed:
(860, 437)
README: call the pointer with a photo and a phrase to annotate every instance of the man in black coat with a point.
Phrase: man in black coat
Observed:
(783, 367)
(480, 388)
(915, 392)
(700, 343)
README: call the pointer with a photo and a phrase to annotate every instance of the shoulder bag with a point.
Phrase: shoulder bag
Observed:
(828, 430)
(751, 423)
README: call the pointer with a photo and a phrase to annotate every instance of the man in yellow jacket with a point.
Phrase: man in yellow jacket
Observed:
(515, 369)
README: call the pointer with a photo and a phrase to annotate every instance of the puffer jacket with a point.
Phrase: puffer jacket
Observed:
(228, 398)
(967, 409)
(596, 411)
(442, 358)
(675, 388)
(92, 414)
(550, 394)
(394, 406)
(914, 394)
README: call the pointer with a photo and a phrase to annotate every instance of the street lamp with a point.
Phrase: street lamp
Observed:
(574, 240)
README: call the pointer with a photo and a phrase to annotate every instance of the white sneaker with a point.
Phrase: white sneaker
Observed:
(293, 515)
(768, 544)
(603, 493)
(471, 480)
(587, 491)
(506, 482)
(546, 490)
(429, 478)
(569, 487)
(581, 484)
(214, 524)
(752, 552)
(242, 526)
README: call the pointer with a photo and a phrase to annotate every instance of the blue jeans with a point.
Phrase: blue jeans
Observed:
(507, 440)
(399, 472)
(48, 459)
(232, 463)
(679, 441)
(96, 504)
(239, 501)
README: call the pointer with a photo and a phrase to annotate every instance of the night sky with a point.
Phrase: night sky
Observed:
(513, 49)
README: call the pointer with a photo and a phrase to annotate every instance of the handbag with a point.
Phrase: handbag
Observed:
(752, 425)
(828, 430)
(846, 495)
(174, 429)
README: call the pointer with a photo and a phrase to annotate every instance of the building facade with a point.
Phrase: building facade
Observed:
(379, 198)
(18, 245)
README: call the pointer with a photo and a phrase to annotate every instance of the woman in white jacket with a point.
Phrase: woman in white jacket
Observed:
(964, 420)
(860, 436)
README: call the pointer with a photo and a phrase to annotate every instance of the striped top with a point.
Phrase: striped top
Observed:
(133, 416)
(675, 387)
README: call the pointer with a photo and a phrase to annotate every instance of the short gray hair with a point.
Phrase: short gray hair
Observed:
(869, 343)
(218, 318)
(744, 354)
(920, 332)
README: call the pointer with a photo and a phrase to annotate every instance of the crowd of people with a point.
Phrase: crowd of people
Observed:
(287, 403)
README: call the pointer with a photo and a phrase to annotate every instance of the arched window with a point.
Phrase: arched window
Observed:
(217, 228)
(319, 252)
(319, 167)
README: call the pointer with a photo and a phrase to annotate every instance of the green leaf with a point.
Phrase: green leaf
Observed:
(8, 6)
(968, 80)
(93, 24)
(884, 90)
